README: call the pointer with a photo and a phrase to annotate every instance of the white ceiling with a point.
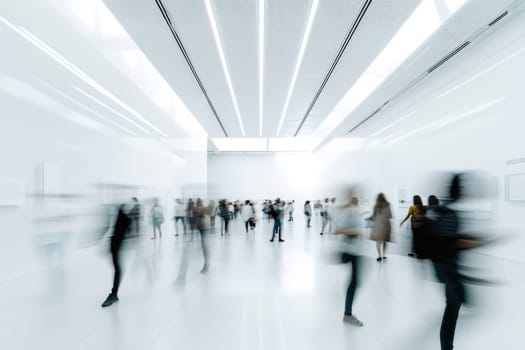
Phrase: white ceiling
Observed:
(284, 25)
(238, 30)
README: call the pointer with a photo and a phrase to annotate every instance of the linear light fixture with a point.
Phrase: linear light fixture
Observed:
(96, 100)
(33, 39)
(306, 36)
(222, 57)
(421, 25)
(261, 63)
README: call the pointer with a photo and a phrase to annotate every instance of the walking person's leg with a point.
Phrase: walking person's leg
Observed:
(246, 223)
(274, 230)
(205, 249)
(280, 231)
(350, 292)
(455, 295)
(113, 296)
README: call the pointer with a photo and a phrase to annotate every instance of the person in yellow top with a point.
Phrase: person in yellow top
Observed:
(416, 213)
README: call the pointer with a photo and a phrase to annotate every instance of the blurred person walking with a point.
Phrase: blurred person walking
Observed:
(212, 208)
(290, 208)
(416, 213)
(136, 216)
(201, 214)
(189, 215)
(381, 228)
(247, 214)
(308, 213)
(157, 216)
(179, 215)
(225, 216)
(120, 231)
(443, 244)
(349, 227)
(324, 215)
(276, 211)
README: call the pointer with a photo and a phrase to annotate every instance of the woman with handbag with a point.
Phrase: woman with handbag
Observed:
(381, 227)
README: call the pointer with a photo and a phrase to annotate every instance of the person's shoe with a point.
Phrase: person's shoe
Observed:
(271, 240)
(152, 237)
(384, 258)
(321, 233)
(110, 300)
(411, 254)
(281, 240)
(176, 235)
(379, 259)
(204, 269)
(351, 319)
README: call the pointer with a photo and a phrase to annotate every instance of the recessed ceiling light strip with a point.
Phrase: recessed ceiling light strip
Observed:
(222, 57)
(300, 56)
(167, 18)
(342, 49)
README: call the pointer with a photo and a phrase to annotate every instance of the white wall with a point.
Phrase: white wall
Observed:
(42, 120)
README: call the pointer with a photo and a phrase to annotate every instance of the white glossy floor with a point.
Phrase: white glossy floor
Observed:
(257, 295)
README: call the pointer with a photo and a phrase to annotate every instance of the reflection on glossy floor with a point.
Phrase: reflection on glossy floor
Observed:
(257, 295)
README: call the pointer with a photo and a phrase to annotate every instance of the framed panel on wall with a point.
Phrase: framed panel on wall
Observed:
(515, 187)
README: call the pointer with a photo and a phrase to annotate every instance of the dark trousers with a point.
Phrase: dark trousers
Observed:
(226, 221)
(350, 291)
(277, 227)
(308, 219)
(447, 273)
(246, 224)
(115, 258)
(181, 218)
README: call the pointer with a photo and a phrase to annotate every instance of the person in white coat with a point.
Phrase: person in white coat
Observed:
(247, 214)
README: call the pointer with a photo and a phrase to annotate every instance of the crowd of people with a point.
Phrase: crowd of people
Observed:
(436, 236)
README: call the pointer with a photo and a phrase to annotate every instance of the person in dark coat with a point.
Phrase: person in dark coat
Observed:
(120, 231)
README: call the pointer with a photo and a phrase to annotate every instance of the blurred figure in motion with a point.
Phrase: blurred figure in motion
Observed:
(248, 215)
(324, 215)
(212, 208)
(189, 215)
(317, 207)
(308, 213)
(136, 216)
(230, 210)
(443, 243)
(289, 208)
(381, 228)
(349, 228)
(416, 213)
(120, 231)
(179, 215)
(157, 216)
(277, 212)
(201, 214)
(225, 216)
